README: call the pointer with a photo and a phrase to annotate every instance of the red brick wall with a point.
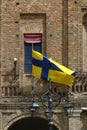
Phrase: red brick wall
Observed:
(61, 25)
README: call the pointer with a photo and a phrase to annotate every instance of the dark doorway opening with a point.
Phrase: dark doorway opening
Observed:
(31, 124)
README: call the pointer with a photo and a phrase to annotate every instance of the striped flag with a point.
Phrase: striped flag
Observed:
(47, 69)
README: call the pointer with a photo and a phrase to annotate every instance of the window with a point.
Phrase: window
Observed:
(31, 40)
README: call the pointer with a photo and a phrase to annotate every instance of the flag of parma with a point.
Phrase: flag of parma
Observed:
(47, 69)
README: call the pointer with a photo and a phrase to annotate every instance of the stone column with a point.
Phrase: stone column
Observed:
(74, 120)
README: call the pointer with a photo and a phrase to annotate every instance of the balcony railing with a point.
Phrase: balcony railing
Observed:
(9, 91)
(80, 84)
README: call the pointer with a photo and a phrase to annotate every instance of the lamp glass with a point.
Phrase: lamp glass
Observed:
(15, 59)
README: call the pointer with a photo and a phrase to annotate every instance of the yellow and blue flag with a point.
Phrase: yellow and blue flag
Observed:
(47, 69)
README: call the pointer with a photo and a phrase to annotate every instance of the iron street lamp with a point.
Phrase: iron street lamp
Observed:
(15, 65)
(34, 106)
(69, 106)
(50, 102)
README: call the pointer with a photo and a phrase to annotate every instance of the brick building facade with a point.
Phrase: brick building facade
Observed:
(62, 25)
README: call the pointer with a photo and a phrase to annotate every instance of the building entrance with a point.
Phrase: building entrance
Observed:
(29, 123)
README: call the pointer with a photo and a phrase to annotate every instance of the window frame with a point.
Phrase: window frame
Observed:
(36, 46)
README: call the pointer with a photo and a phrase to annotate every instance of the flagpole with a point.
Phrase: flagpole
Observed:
(32, 92)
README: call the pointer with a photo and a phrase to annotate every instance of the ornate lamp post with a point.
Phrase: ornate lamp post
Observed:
(50, 111)
(15, 65)
(49, 103)
(34, 105)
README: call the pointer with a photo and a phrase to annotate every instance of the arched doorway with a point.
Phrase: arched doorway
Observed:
(30, 123)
